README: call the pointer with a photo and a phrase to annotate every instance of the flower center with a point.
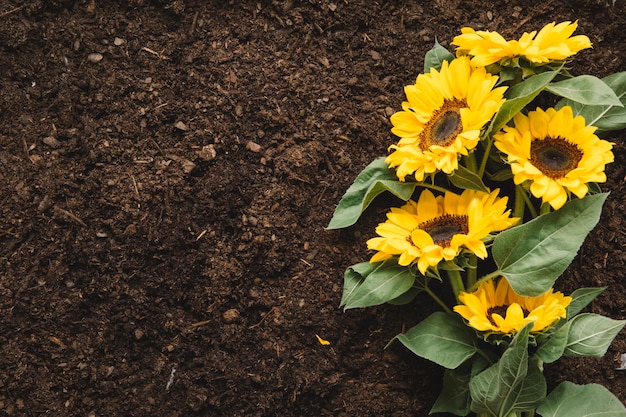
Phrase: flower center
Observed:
(501, 311)
(444, 125)
(443, 228)
(554, 157)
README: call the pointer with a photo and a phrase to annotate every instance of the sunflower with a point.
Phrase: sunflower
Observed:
(442, 118)
(554, 42)
(485, 47)
(437, 228)
(494, 307)
(555, 152)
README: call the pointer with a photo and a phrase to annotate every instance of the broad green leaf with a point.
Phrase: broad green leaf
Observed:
(533, 255)
(353, 278)
(604, 117)
(454, 396)
(388, 281)
(552, 349)
(591, 334)
(407, 297)
(571, 400)
(581, 298)
(585, 89)
(519, 96)
(435, 57)
(375, 179)
(467, 180)
(442, 338)
(512, 384)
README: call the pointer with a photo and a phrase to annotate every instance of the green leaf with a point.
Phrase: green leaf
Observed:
(552, 349)
(591, 334)
(519, 96)
(571, 400)
(442, 338)
(353, 278)
(407, 297)
(388, 281)
(435, 57)
(375, 179)
(454, 396)
(467, 180)
(605, 117)
(585, 89)
(512, 384)
(533, 255)
(581, 298)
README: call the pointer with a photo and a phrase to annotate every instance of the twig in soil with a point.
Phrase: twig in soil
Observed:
(8, 232)
(171, 380)
(136, 188)
(144, 111)
(25, 148)
(200, 323)
(194, 22)
(17, 9)
(155, 53)
(272, 310)
(64, 213)
(202, 233)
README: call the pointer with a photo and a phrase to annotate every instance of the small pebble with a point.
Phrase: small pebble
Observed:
(181, 126)
(119, 41)
(138, 334)
(231, 315)
(188, 166)
(254, 147)
(51, 141)
(207, 152)
(95, 57)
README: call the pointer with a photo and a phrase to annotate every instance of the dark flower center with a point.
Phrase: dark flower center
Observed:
(443, 228)
(501, 311)
(444, 125)
(554, 157)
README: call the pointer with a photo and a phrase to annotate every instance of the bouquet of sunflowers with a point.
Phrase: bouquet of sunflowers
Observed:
(499, 194)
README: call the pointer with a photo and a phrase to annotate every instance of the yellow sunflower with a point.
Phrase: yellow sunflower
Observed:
(485, 47)
(437, 228)
(554, 42)
(442, 118)
(555, 152)
(494, 307)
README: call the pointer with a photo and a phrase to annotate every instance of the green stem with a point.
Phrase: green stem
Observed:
(472, 271)
(545, 208)
(483, 163)
(520, 202)
(471, 162)
(486, 277)
(437, 299)
(529, 204)
(456, 282)
(433, 187)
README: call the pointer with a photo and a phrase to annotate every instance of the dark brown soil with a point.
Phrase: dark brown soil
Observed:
(162, 242)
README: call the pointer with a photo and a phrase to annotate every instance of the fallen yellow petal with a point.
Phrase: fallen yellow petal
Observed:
(322, 341)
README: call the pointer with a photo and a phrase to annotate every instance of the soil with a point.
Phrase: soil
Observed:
(168, 169)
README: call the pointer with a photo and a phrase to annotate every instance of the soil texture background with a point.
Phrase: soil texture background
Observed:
(167, 171)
